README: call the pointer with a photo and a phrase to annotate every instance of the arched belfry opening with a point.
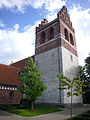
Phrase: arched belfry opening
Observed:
(51, 33)
(71, 39)
(66, 34)
(43, 37)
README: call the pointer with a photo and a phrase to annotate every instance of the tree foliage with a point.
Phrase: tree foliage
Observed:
(85, 76)
(32, 86)
(87, 63)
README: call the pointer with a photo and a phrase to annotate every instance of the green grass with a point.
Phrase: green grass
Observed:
(38, 110)
(83, 116)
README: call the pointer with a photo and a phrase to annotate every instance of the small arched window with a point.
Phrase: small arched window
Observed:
(11, 95)
(66, 34)
(71, 39)
(51, 33)
(43, 37)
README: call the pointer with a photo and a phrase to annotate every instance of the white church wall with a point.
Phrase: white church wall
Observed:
(48, 65)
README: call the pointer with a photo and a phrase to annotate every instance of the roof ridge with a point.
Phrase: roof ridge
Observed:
(8, 66)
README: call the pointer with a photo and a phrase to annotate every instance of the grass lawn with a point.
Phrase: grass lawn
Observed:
(38, 110)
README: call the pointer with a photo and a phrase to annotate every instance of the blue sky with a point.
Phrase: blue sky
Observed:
(18, 19)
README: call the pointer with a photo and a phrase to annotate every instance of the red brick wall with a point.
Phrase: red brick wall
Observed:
(55, 44)
(5, 99)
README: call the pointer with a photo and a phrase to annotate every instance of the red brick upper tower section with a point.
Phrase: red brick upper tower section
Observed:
(58, 32)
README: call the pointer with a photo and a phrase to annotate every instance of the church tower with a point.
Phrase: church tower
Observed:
(56, 53)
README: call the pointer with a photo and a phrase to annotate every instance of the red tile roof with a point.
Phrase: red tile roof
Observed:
(21, 64)
(9, 75)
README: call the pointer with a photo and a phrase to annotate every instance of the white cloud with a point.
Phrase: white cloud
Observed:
(81, 22)
(51, 16)
(19, 5)
(1, 23)
(52, 5)
(15, 45)
(38, 3)
(16, 27)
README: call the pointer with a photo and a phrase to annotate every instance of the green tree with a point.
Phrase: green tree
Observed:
(85, 76)
(87, 63)
(32, 86)
(73, 86)
(87, 71)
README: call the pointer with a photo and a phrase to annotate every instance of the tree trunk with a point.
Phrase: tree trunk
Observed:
(32, 106)
(71, 103)
(84, 98)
